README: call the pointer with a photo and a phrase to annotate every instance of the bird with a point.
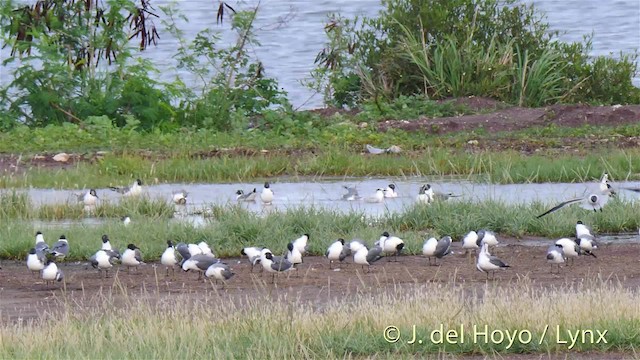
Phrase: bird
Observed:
(378, 197)
(555, 256)
(301, 243)
(51, 272)
(274, 264)
(36, 260)
(351, 195)
(132, 257)
(488, 263)
(180, 197)
(585, 239)
(390, 244)
(364, 256)
(126, 220)
(253, 254)
(487, 237)
(41, 245)
(134, 189)
(294, 256)
(424, 197)
(169, 258)
(219, 271)
(594, 201)
(390, 191)
(61, 248)
(248, 196)
(436, 248)
(103, 260)
(334, 252)
(199, 263)
(106, 245)
(267, 194)
(571, 248)
(375, 150)
(470, 241)
(90, 198)
(205, 249)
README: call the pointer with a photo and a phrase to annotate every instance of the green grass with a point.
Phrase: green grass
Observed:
(228, 229)
(352, 326)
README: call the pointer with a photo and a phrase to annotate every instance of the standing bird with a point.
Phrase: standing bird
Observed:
(364, 256)
(378, 197)
(585, 239)
(436, 248)
(219, 271)
(106, 245)
(294, 256)
(180, 197)
(51, 272)
(61, 248)
(274, 264)
(470, 241)
(334, 251)
(169, 258)
(267, 194)
(390, 244)
(90, 198)
(301, 243)
(555, 256)
(199, 263)
(248, 196)
(41, 245)
(352, 193)
(423, 196)
(390, 191)
(103, 260)
(36, 260)
(134, 190)
(132, 257)
(570, 248)
(489, 263)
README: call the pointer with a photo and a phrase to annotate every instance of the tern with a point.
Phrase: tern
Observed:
(594, 201)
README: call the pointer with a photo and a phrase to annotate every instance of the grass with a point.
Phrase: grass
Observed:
(228, 229)
(352, 326)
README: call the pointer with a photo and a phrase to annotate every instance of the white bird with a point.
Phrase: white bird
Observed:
(51, 272)
(375, 150)
(169, 258)
(378, 197)
(248, 196)
(489, 263)
(253, 253)
(267, 194)
(103, 260)
(351, 195)
(436, 248)
(90, 198)
(570, 248)
(470, 241)
(41, 245)
(219, 271)
(294, 256)
(132, 257)
(585, 239)
(487, 237)
(334, 252)
(199, 263)
(423, 196)
(61, 248)
(36, 260)
(364, 256)
(594, 201)
(390, 191)
(134, 190)
(555, 256)
(205, 249)
(390, 244)
(274, 264)
(301, 243)
(180, 197)
(126, 220)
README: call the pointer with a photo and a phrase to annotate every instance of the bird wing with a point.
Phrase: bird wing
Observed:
(636, 190)
(559, 206)
(443, 246)
(120, 189)
(374, 254)
(497, 262)
(375, 150)
(138, 255)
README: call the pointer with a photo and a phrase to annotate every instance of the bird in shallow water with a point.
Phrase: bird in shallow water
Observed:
(267, 194)
(134, 189)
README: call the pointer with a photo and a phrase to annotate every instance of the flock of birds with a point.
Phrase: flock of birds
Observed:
(200, 258)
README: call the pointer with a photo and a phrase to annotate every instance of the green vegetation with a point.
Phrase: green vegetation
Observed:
(346, 327)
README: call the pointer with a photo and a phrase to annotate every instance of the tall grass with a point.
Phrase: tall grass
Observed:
(351, 326)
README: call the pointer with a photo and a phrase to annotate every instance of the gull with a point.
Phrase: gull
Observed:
(106, 245)
(219, 271)
(267, 194)
(351, 195)
(436, 248)
(249, 196)
(126, 220)
(390, 191)
(294, 256)
(134, 190)
(90, 198)
(169, 258)
(51, 272)
(334, 251)
(274, 264)
(199, 263)
(364, 256)
(103, 260)
(131, 257)
(40, 244)
(555, 255)
(487, 237)
(570, 248)
(593, 201)
(377, 198)
(390, 244)
(36, 260)
(180, 197)
(585, 239)
(470, 241)
(301, 243)
(61, 248)
(205, 249)
(252, 253)
(489, 263)
(183, 250)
